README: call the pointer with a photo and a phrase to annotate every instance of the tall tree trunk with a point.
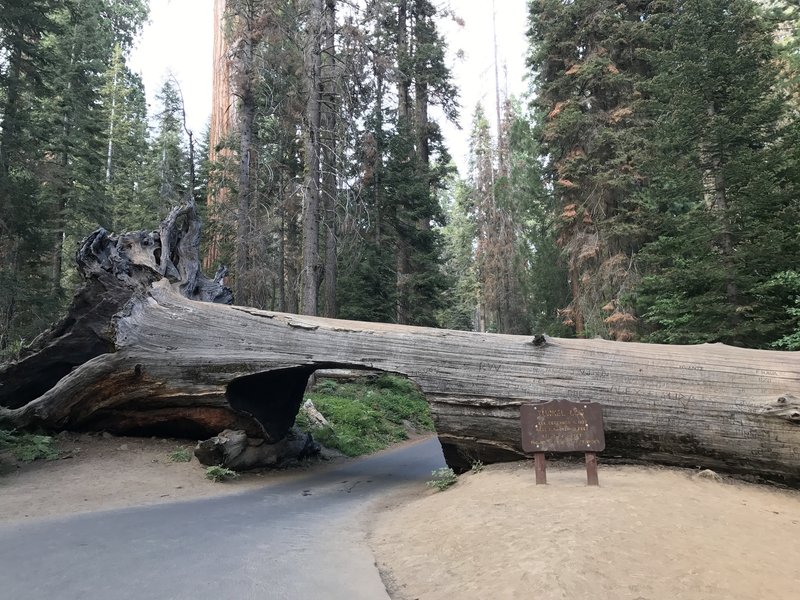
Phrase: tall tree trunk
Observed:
(719, 207)
(281, 245)
(247, 114)
(501, 158)
(402, 251)
(311, 209)
(421, 124)
(9, 307)
(377, 163)
(404, 64)
(577, 312)
(117, 62)
(8, 130)
(59, 218)
(328, 127)
(223, 114)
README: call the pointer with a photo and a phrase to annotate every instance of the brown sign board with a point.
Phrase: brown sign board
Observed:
(562, 426)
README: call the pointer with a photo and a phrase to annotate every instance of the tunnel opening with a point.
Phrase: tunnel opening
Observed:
(363, 410)
(273, 398)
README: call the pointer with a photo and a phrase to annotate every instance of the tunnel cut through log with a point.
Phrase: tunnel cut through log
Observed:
(177, 360)
(273, 397)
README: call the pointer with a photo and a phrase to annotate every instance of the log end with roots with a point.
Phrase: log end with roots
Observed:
(236, 450)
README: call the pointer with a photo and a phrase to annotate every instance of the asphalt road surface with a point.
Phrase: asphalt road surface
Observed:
(297, 540)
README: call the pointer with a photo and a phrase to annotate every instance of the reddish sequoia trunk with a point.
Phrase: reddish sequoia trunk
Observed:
(223, 114)
(139, 354)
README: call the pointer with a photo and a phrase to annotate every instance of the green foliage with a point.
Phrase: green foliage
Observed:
(167, 166)
(366, 417)
(721, 201)
(443, 478)
(460, 297)
(218, 474)
(28, 447)
(476, 466)
(587, 64)
(181, 454)
(54, 132)
(544, 280)
(787, 286)
(668, 138)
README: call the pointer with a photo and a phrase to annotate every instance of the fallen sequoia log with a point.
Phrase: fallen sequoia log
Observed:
(139, 354)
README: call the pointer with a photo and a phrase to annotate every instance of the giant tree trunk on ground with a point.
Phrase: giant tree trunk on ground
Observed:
(136, 355)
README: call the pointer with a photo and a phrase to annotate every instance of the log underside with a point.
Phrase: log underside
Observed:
(169, 365)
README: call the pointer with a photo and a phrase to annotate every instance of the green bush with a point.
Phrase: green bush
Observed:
(367, 416)
(326, 386)
(181, 454)
(443, 478)
(217, 474)
(28, 447)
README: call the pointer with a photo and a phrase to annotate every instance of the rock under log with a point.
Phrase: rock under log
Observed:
(235, 450)
(163, 362)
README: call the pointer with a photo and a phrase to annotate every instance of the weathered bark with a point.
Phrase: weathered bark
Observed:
(245, 75)
(223, 115)
(404, 79)
(191, 368)
(137, 355)
(328, 128)
(116, 269)
(312, 264)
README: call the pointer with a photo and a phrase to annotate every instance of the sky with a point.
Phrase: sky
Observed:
(178, 42)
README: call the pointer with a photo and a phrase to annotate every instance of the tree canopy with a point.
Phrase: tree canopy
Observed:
(647, 187)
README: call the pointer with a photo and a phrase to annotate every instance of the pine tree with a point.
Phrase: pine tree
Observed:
(125, 123)
(587, 60)
(721, 196)
(167, 177)
(418, 162)
(542, 270)
(81, 53)
(25, 302)
(52, 167)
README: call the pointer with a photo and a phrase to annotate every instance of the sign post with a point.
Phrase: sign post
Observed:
(563, 426)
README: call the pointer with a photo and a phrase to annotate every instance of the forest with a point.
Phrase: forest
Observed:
(646, 188)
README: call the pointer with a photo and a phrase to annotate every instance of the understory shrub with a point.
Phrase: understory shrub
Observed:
(443, 478)
(218, 474)
(28, 447)
(367, 416)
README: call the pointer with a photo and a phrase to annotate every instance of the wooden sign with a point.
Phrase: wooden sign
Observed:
(563, 426)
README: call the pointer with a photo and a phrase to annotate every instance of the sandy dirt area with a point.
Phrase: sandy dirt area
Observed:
(94, 472)
(645, 534)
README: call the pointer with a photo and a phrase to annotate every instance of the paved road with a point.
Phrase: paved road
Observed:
(295, 540)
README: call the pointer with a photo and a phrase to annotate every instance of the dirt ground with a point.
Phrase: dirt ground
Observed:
(95, 472)
(645, 534)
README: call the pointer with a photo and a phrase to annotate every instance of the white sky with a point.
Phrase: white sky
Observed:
(178, 41)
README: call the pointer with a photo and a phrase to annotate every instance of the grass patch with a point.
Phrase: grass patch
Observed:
(218, 474)
(367, 416)
(28, 447)
(180, 454)
(443, 478)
